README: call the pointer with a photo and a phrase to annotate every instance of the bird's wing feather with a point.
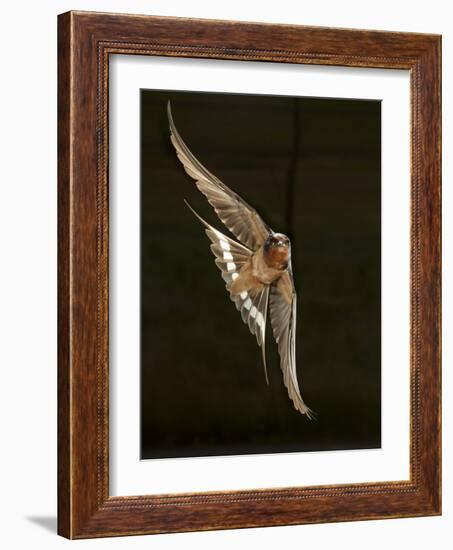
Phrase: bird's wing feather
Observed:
(239, 217)
(230, 258)
(253, 308)
(283, 301)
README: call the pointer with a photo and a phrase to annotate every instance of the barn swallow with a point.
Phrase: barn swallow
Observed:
(257, 269)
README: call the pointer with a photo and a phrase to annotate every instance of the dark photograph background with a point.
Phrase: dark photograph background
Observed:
(311, 168)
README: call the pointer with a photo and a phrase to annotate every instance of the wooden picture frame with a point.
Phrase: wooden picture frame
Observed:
(85, 42)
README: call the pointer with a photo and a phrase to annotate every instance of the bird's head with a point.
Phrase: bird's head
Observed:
(276, 240)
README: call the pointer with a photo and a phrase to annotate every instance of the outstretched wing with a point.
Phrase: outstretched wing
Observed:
(230, 258)
(283, 300)
(238, 216)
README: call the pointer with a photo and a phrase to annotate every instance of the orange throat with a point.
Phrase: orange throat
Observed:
(277, 257)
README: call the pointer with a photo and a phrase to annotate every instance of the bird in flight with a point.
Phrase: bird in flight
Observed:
(256, 268)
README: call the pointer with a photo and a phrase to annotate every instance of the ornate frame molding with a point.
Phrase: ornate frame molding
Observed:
(86, 40)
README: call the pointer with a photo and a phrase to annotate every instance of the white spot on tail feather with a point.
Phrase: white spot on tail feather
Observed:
(260, 319)
(225, 245)
(248, 304)
(227, 256)
(253, 312)
(244, 294)
(234, 276)
(231, 266)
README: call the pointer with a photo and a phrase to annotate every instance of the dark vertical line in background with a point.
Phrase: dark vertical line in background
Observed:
(292, 171)
(379, 255)
(141, 387)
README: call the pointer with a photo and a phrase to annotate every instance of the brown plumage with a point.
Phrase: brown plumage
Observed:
(257, 269)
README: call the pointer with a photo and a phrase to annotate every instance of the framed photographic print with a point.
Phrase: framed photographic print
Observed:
(249, 275)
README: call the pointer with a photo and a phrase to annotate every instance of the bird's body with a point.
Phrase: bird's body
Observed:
(264, 267)
(257, 269)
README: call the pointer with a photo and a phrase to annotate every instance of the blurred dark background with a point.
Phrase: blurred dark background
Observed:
(311, 167)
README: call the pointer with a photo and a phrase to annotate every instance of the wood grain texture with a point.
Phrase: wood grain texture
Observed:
(64, 371)
(86, 40)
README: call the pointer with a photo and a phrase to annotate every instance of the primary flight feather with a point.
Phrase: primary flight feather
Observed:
(257, 269)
